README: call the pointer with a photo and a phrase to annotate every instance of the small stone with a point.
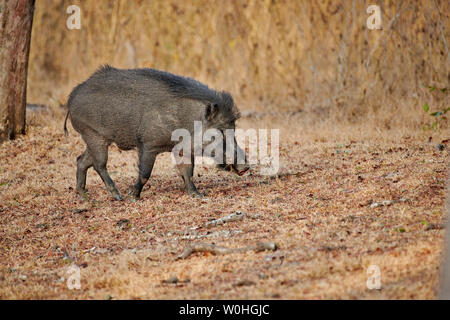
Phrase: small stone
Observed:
(42, 226)
(173, 279)
(123, 224)
(289, 282)
(245, 282)
(434, 226)
(101, 251)
(263, 246)
(78, 211)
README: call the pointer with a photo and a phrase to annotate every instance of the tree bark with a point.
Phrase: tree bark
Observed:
(445, 274)
(16, 18)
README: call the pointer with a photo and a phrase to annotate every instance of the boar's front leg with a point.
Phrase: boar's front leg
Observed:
(187, 171)
(146, 162)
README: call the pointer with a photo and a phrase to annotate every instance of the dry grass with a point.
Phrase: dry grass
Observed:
(271, 55)
(317, 211)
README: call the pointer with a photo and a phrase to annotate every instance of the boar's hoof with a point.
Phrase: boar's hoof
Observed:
(133, 193)
(82, 195)
(117, 196)
(196, 194)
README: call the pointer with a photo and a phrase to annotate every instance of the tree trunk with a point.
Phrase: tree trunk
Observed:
(445, 274)
(16, 18)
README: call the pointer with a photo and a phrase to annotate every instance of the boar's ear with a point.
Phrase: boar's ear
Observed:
(211, 110)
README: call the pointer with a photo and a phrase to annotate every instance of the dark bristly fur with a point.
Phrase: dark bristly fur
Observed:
(140, 108)
(179, 86)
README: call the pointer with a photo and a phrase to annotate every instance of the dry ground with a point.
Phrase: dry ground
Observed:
(318, 211)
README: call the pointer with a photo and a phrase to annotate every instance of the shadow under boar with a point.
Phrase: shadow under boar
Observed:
(140, 108)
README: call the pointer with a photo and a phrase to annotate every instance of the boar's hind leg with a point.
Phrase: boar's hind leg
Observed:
(84, 162)
(98, 149)
(146, 162)
(186, 172)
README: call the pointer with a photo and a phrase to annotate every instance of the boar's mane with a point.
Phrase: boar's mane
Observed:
(182, 87)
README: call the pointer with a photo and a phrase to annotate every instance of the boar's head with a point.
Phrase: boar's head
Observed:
(222, 115)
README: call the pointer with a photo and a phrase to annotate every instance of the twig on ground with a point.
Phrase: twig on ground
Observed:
(193, 233)
(386, 203)
(216, 250)
(216, 234)
(238, 215)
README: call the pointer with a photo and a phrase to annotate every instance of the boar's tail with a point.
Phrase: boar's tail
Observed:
(66, 133)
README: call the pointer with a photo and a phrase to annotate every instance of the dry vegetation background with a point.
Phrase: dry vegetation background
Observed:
(349, 103)
(272, 55)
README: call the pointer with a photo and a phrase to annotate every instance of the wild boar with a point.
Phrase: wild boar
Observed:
(140, 108)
